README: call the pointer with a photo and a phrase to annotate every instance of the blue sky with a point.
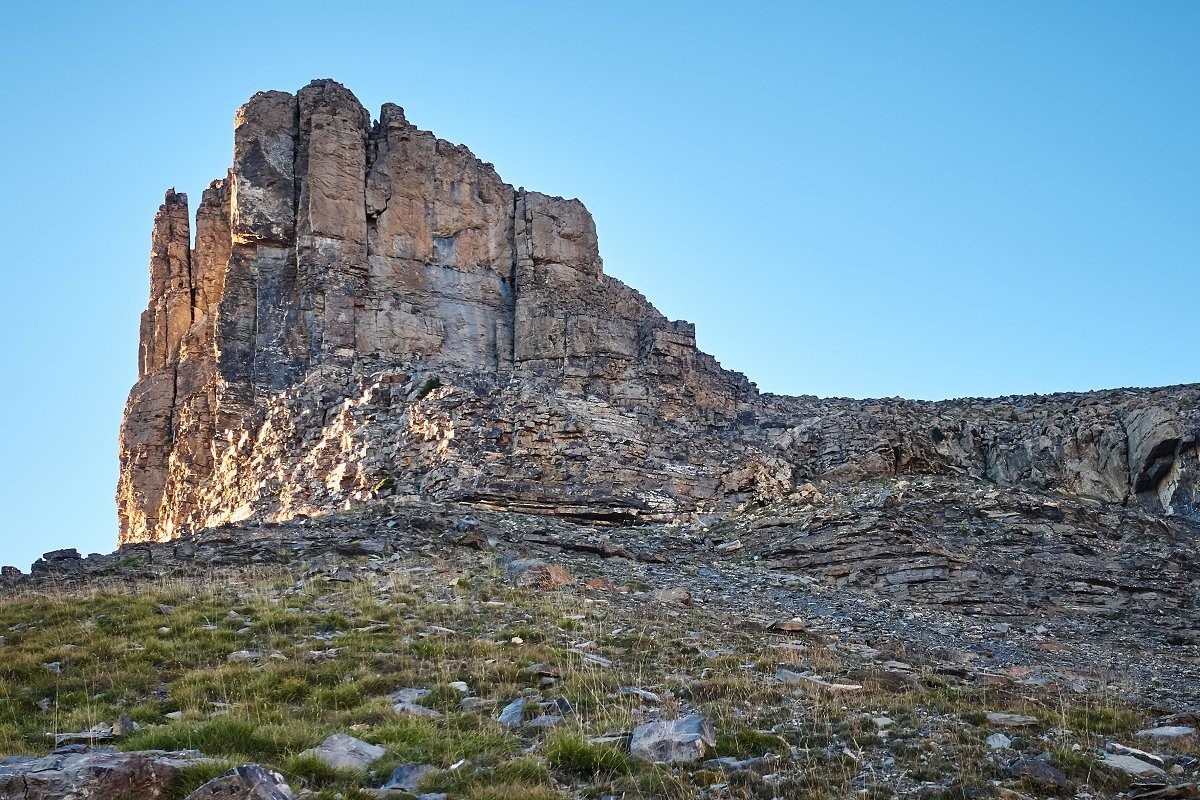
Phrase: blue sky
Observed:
(926, 199)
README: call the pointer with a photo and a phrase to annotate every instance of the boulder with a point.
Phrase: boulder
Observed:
(342, 751)
(534, 573)
(247, 782)
(673, 741)
(1167, 732)
(673, 596)
(407, 777)
(1038, 772)
(513, 714)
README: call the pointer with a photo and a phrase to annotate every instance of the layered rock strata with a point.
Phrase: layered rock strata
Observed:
(369, 313)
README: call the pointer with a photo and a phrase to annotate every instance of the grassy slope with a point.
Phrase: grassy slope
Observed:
(333, 651)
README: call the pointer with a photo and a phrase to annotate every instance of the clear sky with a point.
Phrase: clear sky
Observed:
(926, 199)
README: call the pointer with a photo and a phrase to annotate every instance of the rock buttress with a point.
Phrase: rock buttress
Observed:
(338, 248)
(370, 313)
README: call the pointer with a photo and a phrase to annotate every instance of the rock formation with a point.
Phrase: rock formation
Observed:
(370, 314)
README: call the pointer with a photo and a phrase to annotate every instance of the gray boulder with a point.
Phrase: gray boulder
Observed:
(1131, 765)
(673, 741)
(513, 714)
(407, 777)
(342, 751)
(1167, 732)
(248, 782)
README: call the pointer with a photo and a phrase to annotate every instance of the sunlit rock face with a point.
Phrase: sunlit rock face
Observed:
(370, 315)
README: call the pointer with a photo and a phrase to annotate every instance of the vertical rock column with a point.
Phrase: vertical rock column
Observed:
(439, 248)
(148, 428)
(258, 338)
(557, 271)
(331, 218)
(166, 447)
(196, 388)
(169, 313)
(210, 257)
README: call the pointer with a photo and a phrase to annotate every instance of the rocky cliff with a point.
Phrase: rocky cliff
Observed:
(369, 314)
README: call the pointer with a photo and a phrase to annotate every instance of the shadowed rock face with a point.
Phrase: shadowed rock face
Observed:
(370, 313)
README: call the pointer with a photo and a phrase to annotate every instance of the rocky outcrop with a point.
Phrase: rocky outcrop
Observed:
(100, 773)
(369, 314)
(340, 259)
(247, 782)
(1121, 446)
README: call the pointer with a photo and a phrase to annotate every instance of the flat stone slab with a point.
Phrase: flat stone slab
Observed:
(1131, 766)
(1011, 720)
(407, 777)
(416, 710)
(1166, 732)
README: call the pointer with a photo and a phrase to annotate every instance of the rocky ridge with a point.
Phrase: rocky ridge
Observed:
(370, 316)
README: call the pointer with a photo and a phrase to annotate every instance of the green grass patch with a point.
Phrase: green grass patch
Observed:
(749, 744)
(193, 776)
(230, 737)
(569, 751)
(1102, 720)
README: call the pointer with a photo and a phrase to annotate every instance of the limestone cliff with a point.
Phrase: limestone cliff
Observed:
(369, 313)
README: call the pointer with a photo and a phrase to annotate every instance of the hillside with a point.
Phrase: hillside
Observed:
(253, 644)
(415, 500)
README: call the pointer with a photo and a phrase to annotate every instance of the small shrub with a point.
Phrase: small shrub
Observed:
(523, 770)
(340, 697)
(515, 791)
(1083, 767)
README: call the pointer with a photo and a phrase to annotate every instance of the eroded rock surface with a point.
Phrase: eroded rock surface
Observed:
(370, 315)
(247, 782)
(99, 773)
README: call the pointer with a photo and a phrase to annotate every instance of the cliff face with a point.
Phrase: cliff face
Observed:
(369, 312)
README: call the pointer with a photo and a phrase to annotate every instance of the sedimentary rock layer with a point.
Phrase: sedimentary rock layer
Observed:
(370, 312)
